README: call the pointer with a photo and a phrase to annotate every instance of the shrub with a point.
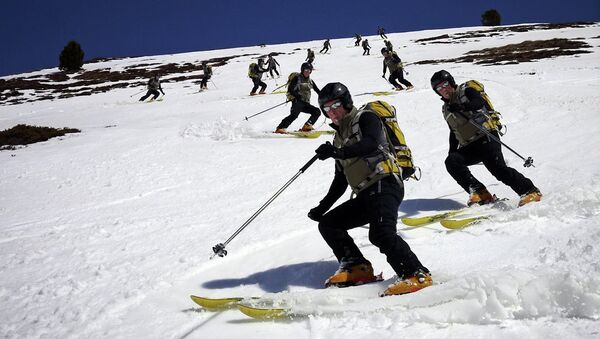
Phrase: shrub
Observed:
(26, 134)
(71, 57)
(491, 17)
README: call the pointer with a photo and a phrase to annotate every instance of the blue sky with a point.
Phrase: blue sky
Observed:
(35, 31)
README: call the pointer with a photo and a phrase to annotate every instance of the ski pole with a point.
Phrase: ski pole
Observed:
(219, 249)
(278, 88)
(268, 109)
(528, 161)
(137, 93)
(212, 82)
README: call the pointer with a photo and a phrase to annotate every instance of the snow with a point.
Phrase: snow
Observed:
(106, 233)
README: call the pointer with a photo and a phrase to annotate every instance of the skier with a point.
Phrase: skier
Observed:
(207, 69)
(272, 65)
(381, 32)
(255, 73)
(326, 46)
(358, 39)
(469, 145)
(310, 56)
(153, 88)
(361, 152)
(388, 45)
(392, 61)
(299, 93)
(366, 47)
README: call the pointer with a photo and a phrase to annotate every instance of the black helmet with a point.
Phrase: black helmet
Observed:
(441, 76)
(304, 66)
(333, 91)
(384, 50)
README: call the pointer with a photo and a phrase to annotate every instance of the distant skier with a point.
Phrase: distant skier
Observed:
(153, 88)
(392, 61)
(358, 39)
(207, 69)
(381, 32)
(298, 91)
(366, 47)
(326, 47)
(388, 45)
(361, 152)
(272, 65)
(255, 73)
(469, 145)
(310, 56)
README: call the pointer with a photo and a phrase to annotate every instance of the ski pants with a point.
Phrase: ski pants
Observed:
(377, 206)
(204, 82)
(398, 75)
(297, 107)
(367, 51)
(490, 153)
(258, 82)
(325, 49)
(149, 93)
(273, 69)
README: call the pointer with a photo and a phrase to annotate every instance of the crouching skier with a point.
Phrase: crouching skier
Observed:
(362, 160)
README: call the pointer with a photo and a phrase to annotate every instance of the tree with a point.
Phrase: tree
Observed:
(491, 17)
(71, 57)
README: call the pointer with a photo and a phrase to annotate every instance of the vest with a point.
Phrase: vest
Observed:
(362, 172)
(303, 86)
(464, 131)
(391, 64)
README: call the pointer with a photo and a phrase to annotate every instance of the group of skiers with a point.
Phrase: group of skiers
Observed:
(365, 160)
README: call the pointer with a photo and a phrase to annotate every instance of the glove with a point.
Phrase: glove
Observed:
(407, 172)
(327, 150)
(455, 107)
(383, 75)
(480, 119)
(317, 213)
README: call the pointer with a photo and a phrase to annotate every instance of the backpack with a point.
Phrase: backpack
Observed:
(252, 70)
(290, 78)
(387, 114)
(494, 121)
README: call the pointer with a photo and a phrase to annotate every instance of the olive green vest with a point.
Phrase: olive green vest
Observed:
(391, 64)
(303, 86)
(362, 172)
(464, 131)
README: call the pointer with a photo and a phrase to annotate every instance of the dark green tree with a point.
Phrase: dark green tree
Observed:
(491, 17)
(71, 57)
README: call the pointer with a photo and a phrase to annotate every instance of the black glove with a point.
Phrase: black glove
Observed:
(317, 213)
(327, 150)
(479, 118)
(407, 172)
(455, 107)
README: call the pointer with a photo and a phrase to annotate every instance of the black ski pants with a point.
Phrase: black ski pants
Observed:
(490, 153)
(377, 206)
(398, 75)
(297, 107)
(324, 50)
(149, 93)
(204, 82)
(273, 69)
(366, 51)
(258, 83)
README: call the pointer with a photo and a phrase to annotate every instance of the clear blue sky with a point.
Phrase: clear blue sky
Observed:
(35, 31)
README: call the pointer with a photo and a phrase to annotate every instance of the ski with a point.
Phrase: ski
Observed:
(219, 303)
(266, 313)
(429, 219)
(457, 224)
(299, 134)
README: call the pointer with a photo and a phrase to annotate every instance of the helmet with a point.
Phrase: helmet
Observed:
(304, 66)
(441, 76)
(384, 50)
(335, 90)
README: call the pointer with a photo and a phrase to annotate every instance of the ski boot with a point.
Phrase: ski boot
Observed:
(262, 91)
(531, 196)
(280, 131)
(419, 280)
(481, 197)
(352, 271)
(306, 128)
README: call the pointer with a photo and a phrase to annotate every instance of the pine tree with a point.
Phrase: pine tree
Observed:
(71, 57)
(491, 17)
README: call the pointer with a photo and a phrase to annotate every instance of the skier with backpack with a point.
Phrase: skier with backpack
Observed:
(392, 61)
(365, 161)
(272, 65)
(207, 69)
(298, 92)
(153, 88)
(366, 47)
(310, 56)
(468, 112)
(255, 73)
(326, 47)
(358, 39)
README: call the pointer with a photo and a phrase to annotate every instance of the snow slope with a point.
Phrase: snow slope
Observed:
(106, 233)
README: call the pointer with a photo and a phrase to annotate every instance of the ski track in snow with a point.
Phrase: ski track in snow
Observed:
(106, 233)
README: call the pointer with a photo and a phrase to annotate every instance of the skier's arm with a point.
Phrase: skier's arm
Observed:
(384, 67)
(453, 142)
(336, 189)
(475, 101)
(315, 88)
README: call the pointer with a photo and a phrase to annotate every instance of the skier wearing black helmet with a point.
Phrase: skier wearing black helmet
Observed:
(153, 88)
(298, 92)
(366, 47)
(326, 47)
(361, 162)
(463, 108)
(392, 61)
(207, 75)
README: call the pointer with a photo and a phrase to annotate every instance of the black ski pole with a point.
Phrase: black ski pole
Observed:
(137, 93)
(268, 109)
(278, 88)
(219, 249)
(528, 161)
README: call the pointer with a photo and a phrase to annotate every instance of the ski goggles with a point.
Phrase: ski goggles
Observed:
(442, 85)
(335, 105)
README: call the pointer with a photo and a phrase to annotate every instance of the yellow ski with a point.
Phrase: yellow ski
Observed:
(215, 304)
(456, 224)
(422, 221)
(265, 313)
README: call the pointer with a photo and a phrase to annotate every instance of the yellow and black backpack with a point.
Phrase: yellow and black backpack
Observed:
(251, 70)
(290, 78)
(494, 121)
(387, 114)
